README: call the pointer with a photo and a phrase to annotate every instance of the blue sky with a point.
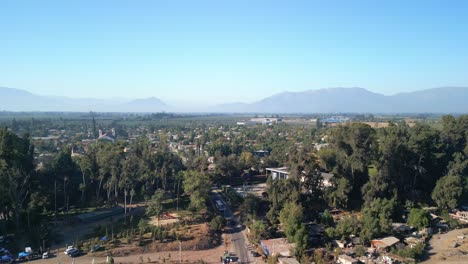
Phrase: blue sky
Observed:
(226, 51)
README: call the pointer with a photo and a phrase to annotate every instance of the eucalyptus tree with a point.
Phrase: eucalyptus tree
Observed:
(355, 147)
(16, 171)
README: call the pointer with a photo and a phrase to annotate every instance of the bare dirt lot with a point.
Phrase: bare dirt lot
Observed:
(208, 256)
(187, 256)
(168, 218)
(451, 247)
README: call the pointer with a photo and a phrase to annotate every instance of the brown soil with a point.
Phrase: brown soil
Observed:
(194, 237)
(442, 250)
(165, 220)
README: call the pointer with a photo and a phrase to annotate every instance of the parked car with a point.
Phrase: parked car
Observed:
(7, 258)
(69, 248)
(96, 248)
(75, 253)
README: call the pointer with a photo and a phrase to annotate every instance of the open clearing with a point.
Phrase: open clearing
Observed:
(442, 248)
(165, 219)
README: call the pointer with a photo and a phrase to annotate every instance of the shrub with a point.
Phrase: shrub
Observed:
(217, 223)
(415, 252)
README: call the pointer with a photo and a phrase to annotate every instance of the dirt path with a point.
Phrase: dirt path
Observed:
(442, 251)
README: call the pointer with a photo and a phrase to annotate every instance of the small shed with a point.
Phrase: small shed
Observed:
(339, 243)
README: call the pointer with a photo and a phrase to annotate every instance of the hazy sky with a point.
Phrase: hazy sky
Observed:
(224, 51)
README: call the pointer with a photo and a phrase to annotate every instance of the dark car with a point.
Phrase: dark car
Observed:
(75, 253)
(96, 248)
(7, 259)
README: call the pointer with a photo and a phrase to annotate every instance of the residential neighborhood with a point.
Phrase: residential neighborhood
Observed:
(243, 194)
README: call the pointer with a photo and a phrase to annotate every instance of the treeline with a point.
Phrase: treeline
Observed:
(104, 176)
(410, 165)
(380, 172)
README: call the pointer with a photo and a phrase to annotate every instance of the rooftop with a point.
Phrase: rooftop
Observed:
(385, 242)
(281, 169)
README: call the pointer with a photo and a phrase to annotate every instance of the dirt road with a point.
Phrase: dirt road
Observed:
(441, 248)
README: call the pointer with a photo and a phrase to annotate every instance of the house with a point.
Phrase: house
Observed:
(211, 160)
(211, 167)
(106, 137)
(278, 173)
(401, 228)
(355, 241)
(435, 218)
(412, 241)
(327, 179)
(276, 246)
(384, 243)
(283, 174)
(261, 153)
(345, 259)
(339, 243)
(77, 151)
(463, 215)
(320, 145)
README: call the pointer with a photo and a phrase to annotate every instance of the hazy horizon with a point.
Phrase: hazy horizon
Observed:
(218, 52)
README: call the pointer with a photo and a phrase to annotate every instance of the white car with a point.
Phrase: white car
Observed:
(69, 249)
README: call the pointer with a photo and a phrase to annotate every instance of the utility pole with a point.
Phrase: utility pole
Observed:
(180, 252)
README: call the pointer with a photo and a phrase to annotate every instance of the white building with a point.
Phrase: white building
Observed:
(283, 174)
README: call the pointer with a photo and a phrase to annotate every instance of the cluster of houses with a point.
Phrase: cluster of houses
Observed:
(378, 252)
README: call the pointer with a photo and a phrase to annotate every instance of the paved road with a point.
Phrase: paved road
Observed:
(239, 246)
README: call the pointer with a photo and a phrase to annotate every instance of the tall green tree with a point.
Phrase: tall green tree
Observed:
(197, 186)
(16, 171)
(291, 217)
(448, 191)
(155, 206)
(281, 192)
(419, 218)
(355, 147)
(338, 194)
(376, 219)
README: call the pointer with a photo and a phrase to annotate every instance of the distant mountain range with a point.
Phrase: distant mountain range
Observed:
(358, 100)
(331, 100)
(20, 100)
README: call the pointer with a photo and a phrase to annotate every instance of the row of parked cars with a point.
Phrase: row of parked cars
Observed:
(74, 252)
(27, 254)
